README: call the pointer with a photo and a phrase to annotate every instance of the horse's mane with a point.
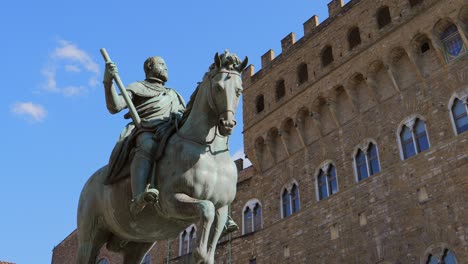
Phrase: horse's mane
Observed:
(229, 61)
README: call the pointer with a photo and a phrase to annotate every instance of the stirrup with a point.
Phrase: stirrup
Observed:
(149, 196)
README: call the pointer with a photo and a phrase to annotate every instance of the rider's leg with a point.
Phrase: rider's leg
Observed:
(140, 169)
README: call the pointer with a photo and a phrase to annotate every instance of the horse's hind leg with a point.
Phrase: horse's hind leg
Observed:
(90, 240)
(133, 252)
(220, 222)
(186, 207)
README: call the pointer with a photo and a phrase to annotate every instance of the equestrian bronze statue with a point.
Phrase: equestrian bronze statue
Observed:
(170, 168)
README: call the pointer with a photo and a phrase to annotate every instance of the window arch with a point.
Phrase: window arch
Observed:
(327, 183)
(366, 161)
(302, 74)
(413, 137)
(252, 217)
(354, 37)
(280, 90)
(448, 257)
(146, 259)
(327, 56)
(459, 114)
(259, 103)
(188, 240)
(103, 261)
(452, 42)
(290, 202)
(383, 17)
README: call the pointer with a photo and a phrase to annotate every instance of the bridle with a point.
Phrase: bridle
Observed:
(212, 105)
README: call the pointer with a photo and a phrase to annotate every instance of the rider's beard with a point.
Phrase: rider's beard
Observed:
(160, 74)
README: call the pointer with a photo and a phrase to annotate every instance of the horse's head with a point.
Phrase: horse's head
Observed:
(225, 89)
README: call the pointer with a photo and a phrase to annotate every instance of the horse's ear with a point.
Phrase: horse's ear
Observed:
(243, 64)
(217, 60)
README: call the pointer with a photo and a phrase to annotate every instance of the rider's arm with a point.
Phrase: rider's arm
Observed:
(114, 102)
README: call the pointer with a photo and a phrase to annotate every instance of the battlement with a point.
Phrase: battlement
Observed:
(311, 28)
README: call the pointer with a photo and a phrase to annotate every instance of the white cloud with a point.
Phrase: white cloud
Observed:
(50, 83)
(72, 68)
(93, 81)
(73, 90)
(30, 111)
(70, 65)
(67, 50)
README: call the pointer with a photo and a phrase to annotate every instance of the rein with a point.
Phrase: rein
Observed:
(213, 107)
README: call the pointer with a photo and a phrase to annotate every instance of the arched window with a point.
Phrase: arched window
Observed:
(193, 239)
(432, 260)
(294, 199)
(302, 74)
(248, 226)
(366, 162)
(460, 115)
(354, 38)
(252, 217)
(413, 138)
(290, 201)
(327, 183)
(257, 218)
(361, 165)
(383, 17)
(146, 259)
(103, 261)
(280, 89)
(188, 240)
(415, 2)
(286, 201)
(260, 103)
(452, 42)
(327, 56)
(448, 257)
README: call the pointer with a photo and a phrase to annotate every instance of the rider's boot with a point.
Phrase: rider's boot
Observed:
(142, 193)
(230, 226)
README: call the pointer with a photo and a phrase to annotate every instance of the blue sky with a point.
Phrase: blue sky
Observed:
(56, 130)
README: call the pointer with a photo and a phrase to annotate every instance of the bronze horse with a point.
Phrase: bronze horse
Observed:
(196, 178)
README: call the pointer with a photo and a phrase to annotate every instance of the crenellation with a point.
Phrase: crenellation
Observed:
(248, 72)
(288, 41)
(335, 7)
(311, 24)
(267, 58)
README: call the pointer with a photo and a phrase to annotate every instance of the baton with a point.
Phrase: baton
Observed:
(123, 91)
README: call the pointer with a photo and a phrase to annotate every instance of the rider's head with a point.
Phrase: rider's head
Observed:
(155, 69)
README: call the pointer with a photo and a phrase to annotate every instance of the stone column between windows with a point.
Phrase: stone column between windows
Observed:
(283, 141)
(299, 134)
(390, 71)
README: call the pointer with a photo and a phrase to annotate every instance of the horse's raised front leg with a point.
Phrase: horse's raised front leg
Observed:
(186, 207)
(220, 222)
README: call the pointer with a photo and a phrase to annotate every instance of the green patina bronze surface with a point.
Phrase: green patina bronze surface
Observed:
(193, 182)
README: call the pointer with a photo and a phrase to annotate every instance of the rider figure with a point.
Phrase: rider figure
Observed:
(158, 107)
